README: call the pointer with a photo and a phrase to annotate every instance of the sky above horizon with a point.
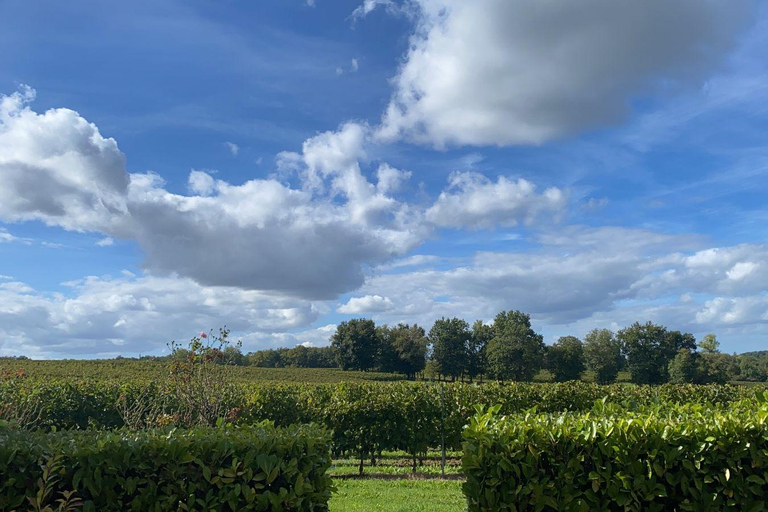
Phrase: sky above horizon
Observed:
(280, 166)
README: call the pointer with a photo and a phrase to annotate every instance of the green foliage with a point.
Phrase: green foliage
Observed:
(202, 392)
(224, 469)
(17, 408)
(148, 370)
(356, 344)
(709, 344)
(410, 346)
(449, 339)
(649, 348)
(602, 355)
(714, 368)
(516, 351)
(477, 360)
(652, 459)
(751, 370)
(682, 368)
(565, 359)
(365, 418)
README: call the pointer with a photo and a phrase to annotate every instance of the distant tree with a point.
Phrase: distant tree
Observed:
(270, 358)
(386, 358)
(683, 367)
(476, 349)
(715, 368)
(410, 344)
(709, 345)
(565, 359)
(516, 351)
(751, 369)
(355, 344)
(649, 348)
(449, 339)
(321, 357)
(297, 357)
(602, 355)
(233, 355)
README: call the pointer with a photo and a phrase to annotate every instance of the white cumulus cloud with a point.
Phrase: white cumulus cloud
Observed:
(499, 72)
(474, 201)
(366, 304)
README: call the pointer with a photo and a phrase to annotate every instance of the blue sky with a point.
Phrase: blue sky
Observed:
(169, 167)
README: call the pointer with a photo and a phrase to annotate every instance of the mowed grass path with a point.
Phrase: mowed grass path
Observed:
(389, 495)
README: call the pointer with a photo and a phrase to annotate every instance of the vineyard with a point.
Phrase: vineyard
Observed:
(132, 370)
(554, 439)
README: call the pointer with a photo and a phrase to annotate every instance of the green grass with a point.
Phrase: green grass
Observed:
(378, 495)
(398, 463)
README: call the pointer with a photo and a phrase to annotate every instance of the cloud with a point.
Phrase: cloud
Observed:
(354, 66)
(131, 315)
(106, 242)
(368, 6)
(233, 148)
(594, 204)
(572, 275)
(312, 241)
(474, 201)
(390, 179)
(366, 304)
(57, 168)
(201, 183)
(577, 278)
(6, 237)
(502, 72)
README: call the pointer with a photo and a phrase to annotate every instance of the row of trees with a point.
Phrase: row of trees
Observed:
(509, 349)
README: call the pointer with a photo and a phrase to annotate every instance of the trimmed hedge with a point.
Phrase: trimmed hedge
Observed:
(256, 468)
(366, 418)
(663, 458)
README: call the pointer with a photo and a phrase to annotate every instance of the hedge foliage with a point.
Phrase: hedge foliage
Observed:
(659, 458)
(260, 467)
(366, 418)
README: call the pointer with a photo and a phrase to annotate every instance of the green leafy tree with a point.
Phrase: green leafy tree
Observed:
(683, 367)
(565, 358)
(751, 369)
(649, 348)
(476, 349)
(234, 355)
(709, 345)
(602, 355)
(270, 358)
(355, 344)
(386, 358)
(516, 351)
(410, 344)
(449, 339)
(714, 368)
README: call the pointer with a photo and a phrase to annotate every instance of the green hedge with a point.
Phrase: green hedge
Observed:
(663, 458)
(224, 469)
(366, 418)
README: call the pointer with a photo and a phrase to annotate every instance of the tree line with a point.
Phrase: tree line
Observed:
(509, 349)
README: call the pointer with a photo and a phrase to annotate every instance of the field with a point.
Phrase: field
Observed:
(131, 370)
(384, 435)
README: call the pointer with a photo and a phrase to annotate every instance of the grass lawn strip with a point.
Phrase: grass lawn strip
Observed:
(385, 495)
